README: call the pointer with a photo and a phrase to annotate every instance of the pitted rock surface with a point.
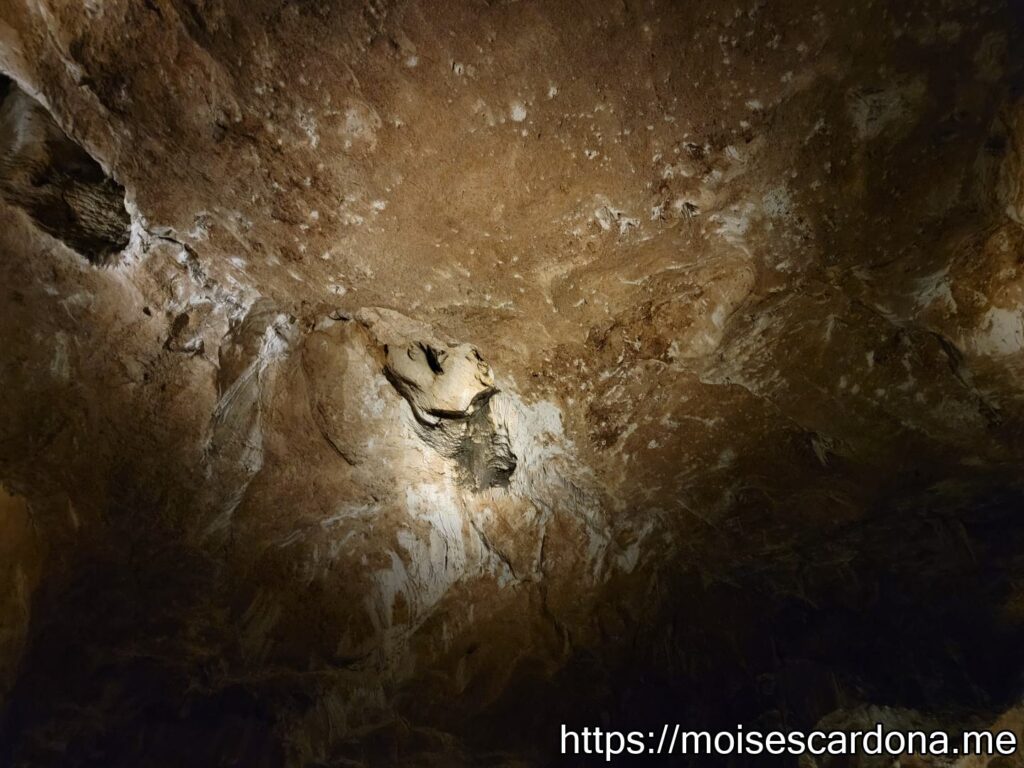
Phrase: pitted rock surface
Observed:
(387, 383)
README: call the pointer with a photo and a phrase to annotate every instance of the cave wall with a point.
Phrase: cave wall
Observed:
(746, 284)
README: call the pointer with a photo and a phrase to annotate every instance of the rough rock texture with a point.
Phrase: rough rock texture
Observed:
(449, 371)
(57, 183)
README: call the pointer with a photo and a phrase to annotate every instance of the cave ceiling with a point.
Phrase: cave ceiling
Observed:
(385, 383)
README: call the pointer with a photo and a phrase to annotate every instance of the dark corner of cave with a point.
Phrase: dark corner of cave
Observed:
(435, 383)
(61, 187)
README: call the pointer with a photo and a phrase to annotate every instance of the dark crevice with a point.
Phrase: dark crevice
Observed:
(56, 182)
(484, 455)
(434, 358)
(479, 445)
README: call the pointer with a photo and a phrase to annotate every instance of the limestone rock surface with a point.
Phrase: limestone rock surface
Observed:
(390, 382)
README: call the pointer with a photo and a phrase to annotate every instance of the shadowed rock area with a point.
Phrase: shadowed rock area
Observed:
(464, 369)
(56, 182)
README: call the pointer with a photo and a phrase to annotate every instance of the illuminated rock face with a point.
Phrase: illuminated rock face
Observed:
(440, 381)
(388, 383)
(449, 388)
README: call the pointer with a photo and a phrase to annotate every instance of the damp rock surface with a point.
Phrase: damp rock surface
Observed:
(459, 370)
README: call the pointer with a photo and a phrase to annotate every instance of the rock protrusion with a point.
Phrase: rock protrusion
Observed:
(448, 387)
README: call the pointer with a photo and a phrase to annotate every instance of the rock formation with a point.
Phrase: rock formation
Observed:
(388, 383)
